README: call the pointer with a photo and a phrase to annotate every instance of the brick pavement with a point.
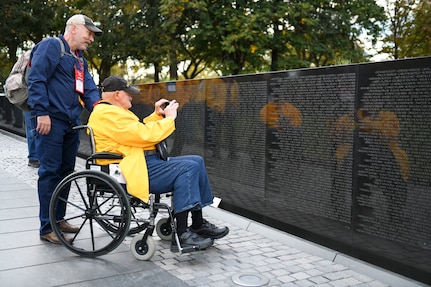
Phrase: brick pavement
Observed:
(249, 249)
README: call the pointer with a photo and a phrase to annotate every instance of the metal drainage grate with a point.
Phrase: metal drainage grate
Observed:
(252, 280)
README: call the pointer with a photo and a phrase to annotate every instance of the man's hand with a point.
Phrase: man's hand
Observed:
(160, 105)
(167, 108)
(43, 124)
(171, 110)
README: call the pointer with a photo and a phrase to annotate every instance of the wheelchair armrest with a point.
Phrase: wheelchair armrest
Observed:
(106, 155)
(81, 127)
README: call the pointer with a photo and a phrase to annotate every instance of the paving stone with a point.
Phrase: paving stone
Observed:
(286, 278)
(313, 272)
(304, 283)
(300, 275)
(318, 279)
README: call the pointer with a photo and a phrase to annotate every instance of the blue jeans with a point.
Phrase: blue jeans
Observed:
(57, 155)
(186, 176)
(30, 134)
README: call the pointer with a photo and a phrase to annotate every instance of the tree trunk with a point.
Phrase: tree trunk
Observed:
(156, 72)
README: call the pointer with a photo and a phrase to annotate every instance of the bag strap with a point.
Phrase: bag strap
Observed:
(63, 49)
(62, 53)
(61, 46)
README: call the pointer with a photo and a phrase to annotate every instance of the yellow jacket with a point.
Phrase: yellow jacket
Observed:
(120, 131)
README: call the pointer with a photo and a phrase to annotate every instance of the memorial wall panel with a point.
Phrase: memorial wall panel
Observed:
(235, 140)
(392, 178)
(337, 155)
(310, 119)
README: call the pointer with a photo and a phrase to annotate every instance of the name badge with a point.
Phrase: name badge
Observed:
(79, 80)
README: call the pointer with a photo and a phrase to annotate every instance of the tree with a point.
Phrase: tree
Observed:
(153, 42)
(225, 34)
(249, 36)
(179, 21)
(118, 41)
(229, 37)
(323, 32)
(24, 24)
(276, 26)
(409, 23)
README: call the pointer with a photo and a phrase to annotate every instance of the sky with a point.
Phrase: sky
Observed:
(378, 46)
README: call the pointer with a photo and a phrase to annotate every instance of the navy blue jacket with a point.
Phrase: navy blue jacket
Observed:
(51, 83)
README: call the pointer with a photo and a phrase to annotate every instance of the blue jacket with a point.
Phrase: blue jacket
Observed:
(51, 83)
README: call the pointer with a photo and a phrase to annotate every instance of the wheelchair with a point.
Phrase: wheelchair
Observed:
(97, 201)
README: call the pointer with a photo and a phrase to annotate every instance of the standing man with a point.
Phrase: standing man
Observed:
(59, 87)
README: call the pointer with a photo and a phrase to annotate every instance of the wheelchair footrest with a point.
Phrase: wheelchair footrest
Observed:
(187, 249)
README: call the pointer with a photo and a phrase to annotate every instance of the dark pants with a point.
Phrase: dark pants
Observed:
(30, 133)
(57, 155)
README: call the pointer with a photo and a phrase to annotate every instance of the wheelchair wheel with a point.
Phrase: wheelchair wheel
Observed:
(93, 201)
(164, 228)
(144, 252)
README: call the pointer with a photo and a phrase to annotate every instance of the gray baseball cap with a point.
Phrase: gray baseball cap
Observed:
(80, 19)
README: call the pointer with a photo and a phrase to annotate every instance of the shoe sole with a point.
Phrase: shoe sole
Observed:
(55, 242)
(226, 232)
(50, 241)
(68, 231)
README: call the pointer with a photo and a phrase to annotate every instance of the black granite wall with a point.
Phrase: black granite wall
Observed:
(339, 155)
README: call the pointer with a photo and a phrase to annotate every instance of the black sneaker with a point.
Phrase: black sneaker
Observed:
(209, 230)
(190, 239)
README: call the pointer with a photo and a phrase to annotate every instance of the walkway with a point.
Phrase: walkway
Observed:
(251, 254)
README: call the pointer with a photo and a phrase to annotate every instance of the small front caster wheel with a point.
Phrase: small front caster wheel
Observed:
(164, 228)
(141, 251)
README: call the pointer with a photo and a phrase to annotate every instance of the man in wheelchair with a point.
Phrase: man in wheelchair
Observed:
(116, 129)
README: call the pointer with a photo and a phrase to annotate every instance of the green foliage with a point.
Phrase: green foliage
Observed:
(24, 23)
(250, 36)
(197, 37)
(409, 23)
(326, 31)
(118, 41)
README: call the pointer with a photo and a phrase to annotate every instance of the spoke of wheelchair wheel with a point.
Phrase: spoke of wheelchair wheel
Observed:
(66, 201)
(111, 208)
(92, 234)
(76, 234)
(110, 233)
(74, 217)
(107, 200)
(135, 219)
(81, 194)
(106, 212)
